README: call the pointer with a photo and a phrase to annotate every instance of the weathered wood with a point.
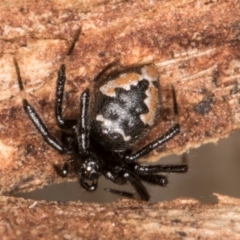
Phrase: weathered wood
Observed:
(126, 219)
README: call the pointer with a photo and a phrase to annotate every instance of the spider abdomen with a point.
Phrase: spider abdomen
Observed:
(126, 107)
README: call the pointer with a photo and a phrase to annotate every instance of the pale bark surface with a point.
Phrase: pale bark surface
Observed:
(126, 219)
(195, 45)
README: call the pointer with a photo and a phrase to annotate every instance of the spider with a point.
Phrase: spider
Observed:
(117, 110)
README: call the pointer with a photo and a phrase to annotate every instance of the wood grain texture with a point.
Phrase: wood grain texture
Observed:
(126, 219)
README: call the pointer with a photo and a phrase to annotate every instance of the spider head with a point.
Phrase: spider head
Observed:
(91, 170)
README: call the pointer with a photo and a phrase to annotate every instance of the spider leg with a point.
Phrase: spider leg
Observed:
(117, 178)
(137, 184)
(63, 171)
(148, 173)
(34, 117)
(121, 178)
(171, 133)
(104, 70)
(75, 39)
(168, 135)
(36, 120)
(182, 168)
(82, 128)
(119, 192)
(154, 179)
(64, 124)
(150, 178)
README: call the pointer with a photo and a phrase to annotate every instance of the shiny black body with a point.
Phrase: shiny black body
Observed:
(123, 112)
(97, 150)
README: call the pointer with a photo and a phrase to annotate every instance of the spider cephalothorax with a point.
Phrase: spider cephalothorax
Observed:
(114, 113)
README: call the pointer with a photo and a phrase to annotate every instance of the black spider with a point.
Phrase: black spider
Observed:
(117, 110)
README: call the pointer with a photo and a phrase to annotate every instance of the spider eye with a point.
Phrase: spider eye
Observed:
(90, 172)
(90, 168)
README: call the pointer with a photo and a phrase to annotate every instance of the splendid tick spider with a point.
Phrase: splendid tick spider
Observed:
(117, 110)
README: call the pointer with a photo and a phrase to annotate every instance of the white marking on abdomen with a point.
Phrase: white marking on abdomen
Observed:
(112, 126)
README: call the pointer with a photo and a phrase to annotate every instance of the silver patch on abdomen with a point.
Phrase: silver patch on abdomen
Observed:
(112, 126)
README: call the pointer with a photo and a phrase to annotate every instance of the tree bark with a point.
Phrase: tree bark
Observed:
(125, 219)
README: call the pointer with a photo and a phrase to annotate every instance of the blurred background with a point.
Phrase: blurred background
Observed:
(212, 169)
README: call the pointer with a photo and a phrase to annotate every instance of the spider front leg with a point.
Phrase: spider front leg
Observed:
(82, 127)
(36, 120)
(89, 166)
(81, 134)
(38, 123)
(64, 124)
